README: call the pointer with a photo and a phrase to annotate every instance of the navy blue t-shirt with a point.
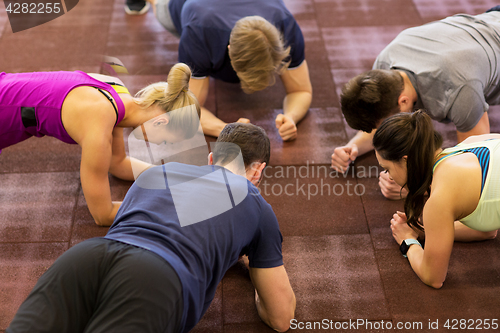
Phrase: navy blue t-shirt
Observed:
(205, 27)
(200, 220)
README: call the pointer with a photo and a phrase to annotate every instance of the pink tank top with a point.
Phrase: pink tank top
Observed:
(30, 104)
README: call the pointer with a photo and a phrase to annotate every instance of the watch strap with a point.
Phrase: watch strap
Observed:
(405, 245)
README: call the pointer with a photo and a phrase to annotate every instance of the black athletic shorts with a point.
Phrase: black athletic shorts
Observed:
(102, 285)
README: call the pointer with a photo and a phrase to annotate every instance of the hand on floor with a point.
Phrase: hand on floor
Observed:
(401, 230)
(286, 127)
(243, 120)
(389, 188)
(399, 217)
(342, 156)
(244, 260)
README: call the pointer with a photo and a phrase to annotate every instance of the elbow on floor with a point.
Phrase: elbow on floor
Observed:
(99, 223)
(437, 285)
(492, 234)
(434, 284)
(103, 222)
(281, 325)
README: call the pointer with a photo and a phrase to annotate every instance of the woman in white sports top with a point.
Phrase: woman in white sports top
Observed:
(453, 194)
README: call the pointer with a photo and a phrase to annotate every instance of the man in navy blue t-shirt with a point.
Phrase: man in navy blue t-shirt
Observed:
(240, 41)
(178, 230)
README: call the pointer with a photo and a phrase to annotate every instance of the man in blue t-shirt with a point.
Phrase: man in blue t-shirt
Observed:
(245, 41)
(178, 230)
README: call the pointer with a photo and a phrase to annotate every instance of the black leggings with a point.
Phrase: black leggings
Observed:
(102, 285)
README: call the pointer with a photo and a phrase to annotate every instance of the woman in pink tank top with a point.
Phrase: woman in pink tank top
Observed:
(80, 108)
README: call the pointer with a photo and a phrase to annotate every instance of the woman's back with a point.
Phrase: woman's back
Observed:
(30, 104)
(479, 161)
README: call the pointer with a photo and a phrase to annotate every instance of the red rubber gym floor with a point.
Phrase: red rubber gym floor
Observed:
(343, 263)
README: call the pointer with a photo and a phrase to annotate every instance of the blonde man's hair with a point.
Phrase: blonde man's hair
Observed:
(173, 95)
(257, 52)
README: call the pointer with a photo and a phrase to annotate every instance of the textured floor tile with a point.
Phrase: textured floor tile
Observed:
(311, 201)
(212, 320)
(238, 304)
(470, 290)
(448, 132)
(238, 294)
(20, 267)
(301, 9)
(84, 226)
(352, 51)
(317, 62)
(494, 115)
(338, 249)
(211, 101)
(335, 277)
(319, 132)
(134, 83)
(320, 129)
(357, 47)
(73, 41)
(379, 211)
(231, 100)
(366, 166)
(433, 10)
(37, 206)
(334, 13)
(248, 328)
(141, 43)
(262, 107)
(45, 154)
(4, 20)
(342, 75)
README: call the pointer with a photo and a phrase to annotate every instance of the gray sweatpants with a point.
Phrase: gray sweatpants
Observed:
(163, 16)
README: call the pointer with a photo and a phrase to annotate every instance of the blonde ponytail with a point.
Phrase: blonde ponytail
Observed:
(173, 95)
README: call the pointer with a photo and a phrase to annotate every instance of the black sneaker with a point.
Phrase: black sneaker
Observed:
(494, 9)
(136, 7)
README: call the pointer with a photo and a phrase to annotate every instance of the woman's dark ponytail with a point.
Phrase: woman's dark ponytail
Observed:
(411, 135)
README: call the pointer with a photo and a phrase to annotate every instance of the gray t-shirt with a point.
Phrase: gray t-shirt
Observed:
(453, 65)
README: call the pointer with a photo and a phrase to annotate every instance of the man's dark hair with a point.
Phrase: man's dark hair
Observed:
(371, 97)
(252, 140)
